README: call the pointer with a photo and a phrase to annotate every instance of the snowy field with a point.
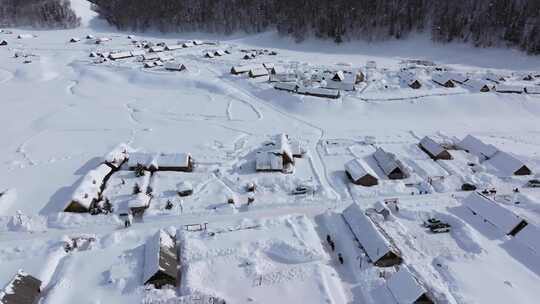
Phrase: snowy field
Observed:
(260, 237)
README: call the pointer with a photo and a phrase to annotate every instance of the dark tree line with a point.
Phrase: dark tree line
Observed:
(38, 13)
(481, 22)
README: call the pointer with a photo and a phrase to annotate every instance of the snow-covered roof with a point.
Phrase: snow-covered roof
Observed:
(268, 161)
(138, 158)
(165, 57)
(278, 70)
(319, 92)
(532, 90)
(477, 147)
(151, 56)
(505, 163)
(479, 85)
(139, 200)
(22, 289)
(339, 76)
(90, 186)
(405, 287)
(245, 68)
(387, 161)
(159, 255)
(120, 55)
(371, 239)
(156, 49)
(173, 160)
(197, 42)
(357, 169)
(137, 52)
(187, 44)
(209, 54)
(174, 66)
(286, 86)
(282, 145)
(340, 85)
(506, 88)
(172, 47)
(492, 212)
(441, 78)
(220, 53)
(458, 77)
(257, 72)
(530, 237)
(430, 145)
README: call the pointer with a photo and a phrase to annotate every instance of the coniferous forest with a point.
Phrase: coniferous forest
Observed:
(480, 22)
(38, 13)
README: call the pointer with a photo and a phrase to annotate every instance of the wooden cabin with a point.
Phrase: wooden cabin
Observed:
(375, 243)
(390, 165)
(359, 173)
(434, 149)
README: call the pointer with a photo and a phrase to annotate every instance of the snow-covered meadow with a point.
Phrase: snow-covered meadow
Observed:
(261, 237)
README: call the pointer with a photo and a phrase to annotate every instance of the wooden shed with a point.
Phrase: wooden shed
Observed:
(390, 165)
(377, 246)
(22, 289)
(360, 173)
(161, 261)
(434, 149)
(508, 165)
(443, 79)
(175, 66)
(88, 192)
(477, 147)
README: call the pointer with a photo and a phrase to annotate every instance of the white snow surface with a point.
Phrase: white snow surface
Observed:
(67, 113)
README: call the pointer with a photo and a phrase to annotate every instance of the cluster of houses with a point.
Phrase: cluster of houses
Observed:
(92, 191)
(253, 53)
(360, 173)
(505, 164)
(382, 252)
(278, 155)
(325, 84)
(217, 53)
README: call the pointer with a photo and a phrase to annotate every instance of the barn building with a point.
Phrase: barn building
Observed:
(286, 86)
(434, 149)
(89, 190)
(378, 248)
(160, 261)
(175, 67)
(359, 173)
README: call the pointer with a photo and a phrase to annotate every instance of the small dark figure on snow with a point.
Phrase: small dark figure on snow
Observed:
(328, 238)
(332, 246)
(516, 190)
(340, 258)
(169, 205)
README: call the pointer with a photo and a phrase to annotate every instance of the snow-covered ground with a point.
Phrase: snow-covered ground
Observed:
(63, 112)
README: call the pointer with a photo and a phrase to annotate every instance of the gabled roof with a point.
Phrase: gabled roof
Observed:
(160, 255)
(120, 55)
(530, 237)
(173, 159)
(433, 147)
(172, 47)
(22, 289)
(500, 217)
(477, 147)
(505, 88)
(371, 239)
(137, 53)
(442, 78)
(357, 169)
(319, 92)
(139, 200)
(257, 72)
(278, 70)
(174, 66)
(286, 86)
(387, 161)
(505, 163)
(532, 90)
(283, 146)
(150, 56)
(340, 85)
(245, 68)
(156, 49)
(338, 76)
(405, 287)
(268, 161)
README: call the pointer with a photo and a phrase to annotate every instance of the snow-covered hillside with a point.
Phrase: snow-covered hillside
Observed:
(200, 141)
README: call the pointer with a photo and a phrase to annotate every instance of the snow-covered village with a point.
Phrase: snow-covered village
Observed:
(191, 166)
